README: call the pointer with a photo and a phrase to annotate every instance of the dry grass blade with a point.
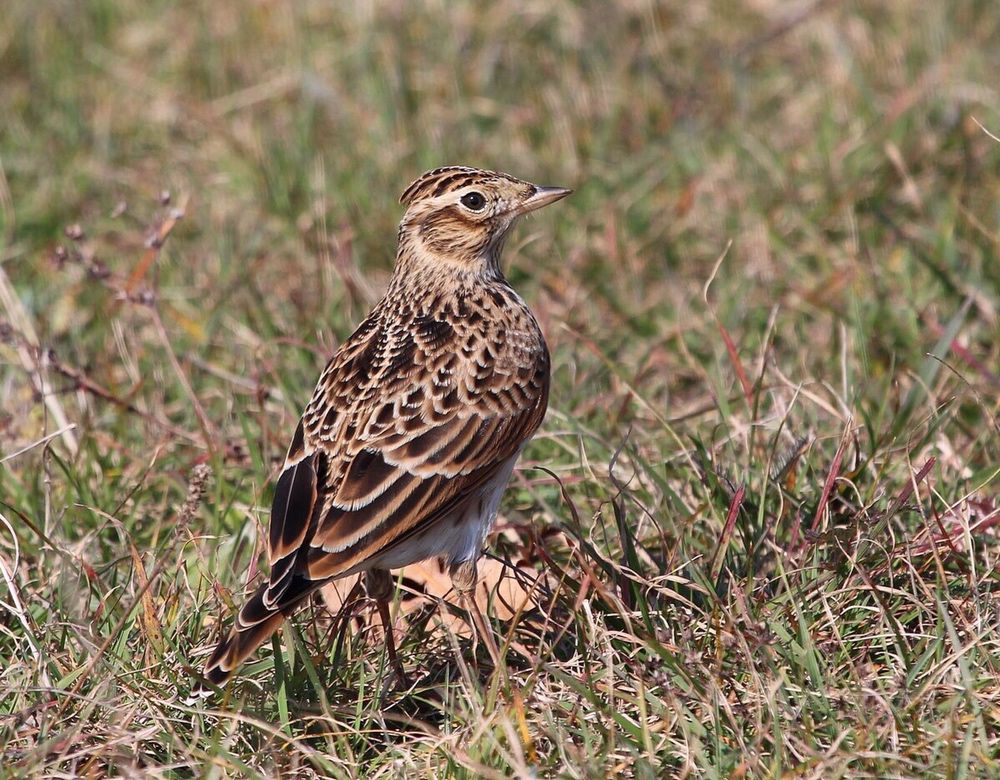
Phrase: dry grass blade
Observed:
(154, 244)
(150, 621)
(28, 352)
(727, 533)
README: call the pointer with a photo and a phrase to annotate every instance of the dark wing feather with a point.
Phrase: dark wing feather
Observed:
(294, 499)
(291, 513)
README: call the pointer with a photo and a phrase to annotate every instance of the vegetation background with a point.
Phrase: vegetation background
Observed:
(765, 497)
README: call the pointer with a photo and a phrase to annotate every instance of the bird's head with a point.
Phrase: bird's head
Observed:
(461, 215)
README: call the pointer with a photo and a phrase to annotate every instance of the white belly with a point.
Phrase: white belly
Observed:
(457, 537)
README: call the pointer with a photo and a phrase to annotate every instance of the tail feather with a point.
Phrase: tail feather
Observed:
(254, 625)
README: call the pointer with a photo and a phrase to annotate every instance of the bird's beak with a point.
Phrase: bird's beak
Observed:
(543, 197)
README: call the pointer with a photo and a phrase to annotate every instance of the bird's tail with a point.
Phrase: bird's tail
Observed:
(254, 625)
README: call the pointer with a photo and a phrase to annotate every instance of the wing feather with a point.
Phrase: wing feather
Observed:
(294, 500)
(367, 478)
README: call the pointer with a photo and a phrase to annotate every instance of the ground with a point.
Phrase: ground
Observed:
(764, 502)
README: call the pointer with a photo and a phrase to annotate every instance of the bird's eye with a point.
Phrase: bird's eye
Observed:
(473, 201)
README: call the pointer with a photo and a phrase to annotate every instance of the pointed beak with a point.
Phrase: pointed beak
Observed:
(543, 197)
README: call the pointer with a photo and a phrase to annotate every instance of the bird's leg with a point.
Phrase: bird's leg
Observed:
(463, 578)
(378, 583)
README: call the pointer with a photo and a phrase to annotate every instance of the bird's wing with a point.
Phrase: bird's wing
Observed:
(392, 441)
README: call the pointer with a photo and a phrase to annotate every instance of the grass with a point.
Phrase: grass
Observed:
(766, 490)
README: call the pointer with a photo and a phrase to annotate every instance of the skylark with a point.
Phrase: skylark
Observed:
(413, 430)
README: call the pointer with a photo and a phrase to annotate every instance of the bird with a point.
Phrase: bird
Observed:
(411, 435)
